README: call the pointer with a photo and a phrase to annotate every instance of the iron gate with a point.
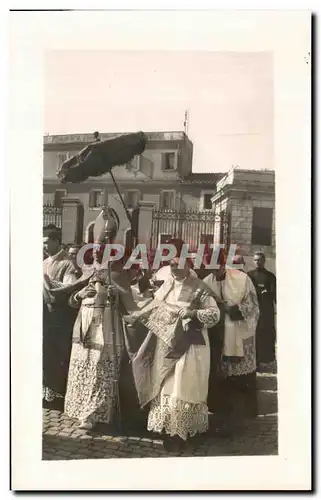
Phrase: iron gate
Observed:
(192, 226)
(52, 215)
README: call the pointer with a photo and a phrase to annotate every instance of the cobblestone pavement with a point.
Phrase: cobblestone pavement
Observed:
(62, 440)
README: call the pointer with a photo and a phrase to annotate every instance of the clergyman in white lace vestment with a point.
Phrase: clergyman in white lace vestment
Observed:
(232, 384)
(178, 388)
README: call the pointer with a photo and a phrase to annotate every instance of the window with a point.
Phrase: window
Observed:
(133, 164)
(59, 194)
(207, 201)
(132, 198)
(167, 200)
(61, 158)
(95, 198)
(262, 226)
(168, 161)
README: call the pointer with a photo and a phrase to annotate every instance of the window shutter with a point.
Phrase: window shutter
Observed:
(177, 155)
(163, 160)
(91, 199)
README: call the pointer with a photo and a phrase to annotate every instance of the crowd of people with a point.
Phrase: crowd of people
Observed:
(167, 351)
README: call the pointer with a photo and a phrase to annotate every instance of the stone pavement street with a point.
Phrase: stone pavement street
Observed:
(62, 440)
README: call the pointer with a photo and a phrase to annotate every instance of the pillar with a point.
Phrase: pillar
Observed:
(145, 219)
(72, 220)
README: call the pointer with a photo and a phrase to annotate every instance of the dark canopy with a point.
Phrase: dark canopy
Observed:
(98, 158)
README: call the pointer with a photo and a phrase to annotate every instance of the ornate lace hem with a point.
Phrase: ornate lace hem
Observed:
(49, 395)
(177, 417)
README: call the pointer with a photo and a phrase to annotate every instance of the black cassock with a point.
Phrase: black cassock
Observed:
(57, 337)
(265, 285)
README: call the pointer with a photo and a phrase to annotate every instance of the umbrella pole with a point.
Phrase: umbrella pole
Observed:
(128, 215)
(111, 305)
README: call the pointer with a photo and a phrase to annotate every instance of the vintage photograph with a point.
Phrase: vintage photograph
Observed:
(160, 229)
(159, 255)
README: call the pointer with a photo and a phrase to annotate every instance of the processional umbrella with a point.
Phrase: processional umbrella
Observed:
(93, 161)
(100, 157)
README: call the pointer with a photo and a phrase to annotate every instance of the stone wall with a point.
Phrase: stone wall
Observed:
(241, 225)
(239, 192)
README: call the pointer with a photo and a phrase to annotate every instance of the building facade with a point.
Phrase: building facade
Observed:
(161, 175)
(244, 203)
(233, 208)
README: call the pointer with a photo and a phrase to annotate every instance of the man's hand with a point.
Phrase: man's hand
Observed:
(234, 313)
(129, 319)
(86, 293)
(187, 313)
(47, 280)
(111, 289)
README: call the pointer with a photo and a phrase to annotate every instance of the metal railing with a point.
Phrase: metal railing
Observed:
(52, 214)
(192, 226)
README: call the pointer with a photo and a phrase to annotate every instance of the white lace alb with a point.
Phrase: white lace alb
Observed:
(177, 417)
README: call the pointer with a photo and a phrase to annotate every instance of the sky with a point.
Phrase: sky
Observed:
(228, 95)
